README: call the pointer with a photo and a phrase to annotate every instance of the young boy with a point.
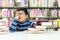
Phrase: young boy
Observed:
(22, 23)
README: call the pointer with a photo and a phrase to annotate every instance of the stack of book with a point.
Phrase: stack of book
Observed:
(3, 25)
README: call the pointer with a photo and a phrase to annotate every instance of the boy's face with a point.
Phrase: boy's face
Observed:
(21, 16)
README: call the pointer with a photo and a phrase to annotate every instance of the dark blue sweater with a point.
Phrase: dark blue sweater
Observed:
(18, 26)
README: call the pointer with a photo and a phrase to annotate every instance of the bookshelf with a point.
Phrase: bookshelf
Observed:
(45, 4)
(30, 7)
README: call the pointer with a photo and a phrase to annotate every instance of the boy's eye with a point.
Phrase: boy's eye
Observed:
(19, 13)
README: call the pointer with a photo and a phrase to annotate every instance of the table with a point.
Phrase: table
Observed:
(54, 35)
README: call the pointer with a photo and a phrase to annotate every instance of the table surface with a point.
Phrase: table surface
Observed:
(53, 35)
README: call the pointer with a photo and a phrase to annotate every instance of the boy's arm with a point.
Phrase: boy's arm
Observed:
(33, 24)
(12, 27)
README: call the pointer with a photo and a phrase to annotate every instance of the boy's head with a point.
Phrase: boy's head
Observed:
(22, 14)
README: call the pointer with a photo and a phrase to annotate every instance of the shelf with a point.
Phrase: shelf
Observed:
(45, 17)
(39, 17)
(30, 7)
(58, 17)
(35, 17)
(6, 17)
(51, 27)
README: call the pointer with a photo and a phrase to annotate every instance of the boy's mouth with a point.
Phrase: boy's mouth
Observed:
(19, 18)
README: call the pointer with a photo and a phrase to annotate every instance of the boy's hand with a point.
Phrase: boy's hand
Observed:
(25, 31)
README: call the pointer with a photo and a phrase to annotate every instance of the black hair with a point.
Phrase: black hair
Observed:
(23, 9)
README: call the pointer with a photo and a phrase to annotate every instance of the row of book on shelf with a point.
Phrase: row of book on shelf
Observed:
(6, 13)
(31, 3)
(32, 12)
(43, 13)
(6, 22)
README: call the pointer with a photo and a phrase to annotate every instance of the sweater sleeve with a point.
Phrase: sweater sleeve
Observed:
(12, 27)
(32, 24)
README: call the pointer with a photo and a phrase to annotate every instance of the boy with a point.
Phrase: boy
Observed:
(22, 23)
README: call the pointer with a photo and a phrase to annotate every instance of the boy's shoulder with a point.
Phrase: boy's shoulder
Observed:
(15, 20)
(27, 21)
(30, 21)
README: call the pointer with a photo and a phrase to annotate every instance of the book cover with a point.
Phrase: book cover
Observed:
(12, 12)
(31, 3)
(11, 3)
(0, 13)
(53, 12)
(32, 13)
(7, 3)
(55, 23)
(44, 12)
(37, 13)
(58, 3)
(26, 3)
(44, 3)
(0, 3)
(59, 13)
(6, 13)
(21, 3)
(48, 14)
(59, 23)
(51, 3)
(4, 25)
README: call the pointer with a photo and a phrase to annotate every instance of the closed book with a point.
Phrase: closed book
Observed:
(55, 23)
(51, 3)
(53, 12)
(59, 23)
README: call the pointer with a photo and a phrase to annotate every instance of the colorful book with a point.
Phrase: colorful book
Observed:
(53, 12)
(59, 13)
(44, 3)
(6, 3)
(0, 13)
(26, 3)
(48, 14)
(12, 12)
(51, 3)
(0, 3)
(38, 13)
(21, 3)
(6, 13)
(32, 3)
(55, 23)
(4, 25)
(58, 22)
(44, 12)
(58, 3)
(38, 3)
(10, 22)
